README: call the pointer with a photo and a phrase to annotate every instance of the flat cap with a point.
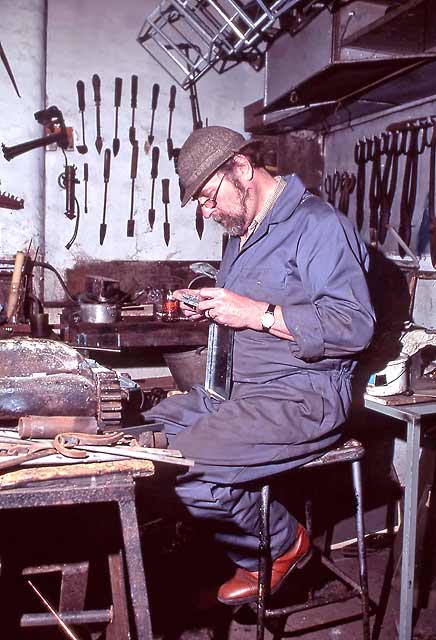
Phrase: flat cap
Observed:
(204, 151)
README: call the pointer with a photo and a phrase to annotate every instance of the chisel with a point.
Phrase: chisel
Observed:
(154, 171)
(117, 103)
(133, 172)
(166, 201)
(96, 84)
(85, 180)
(171, 105)
(154, 99)
(106, 175)
(133, 104)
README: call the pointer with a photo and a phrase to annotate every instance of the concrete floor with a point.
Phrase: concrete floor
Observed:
(191, 612)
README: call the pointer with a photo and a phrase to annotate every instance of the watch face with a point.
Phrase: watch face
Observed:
(267, 320)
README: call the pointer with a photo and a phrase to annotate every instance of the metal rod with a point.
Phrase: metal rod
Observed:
(61, 623)
(92, 616)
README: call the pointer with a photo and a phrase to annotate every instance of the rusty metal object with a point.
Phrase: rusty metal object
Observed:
(42, 377)
(67, 631)
(50, 426)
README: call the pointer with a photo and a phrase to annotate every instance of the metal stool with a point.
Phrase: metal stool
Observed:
(352, 452)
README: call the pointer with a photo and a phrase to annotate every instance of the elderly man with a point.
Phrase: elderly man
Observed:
(292, 285)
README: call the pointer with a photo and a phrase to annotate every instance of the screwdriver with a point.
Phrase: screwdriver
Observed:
(106, 175)
(133, 172)
(154, 171)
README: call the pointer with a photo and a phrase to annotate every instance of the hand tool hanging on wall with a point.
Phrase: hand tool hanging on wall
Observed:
(360, 160)
(117, 103)
(68, 181)
(166, 201)
(133, 172)
(431, 198)
(199, 221)
(171, 106)
(8, 201)
(154, 172)
(408, 193)
(8, 69)
(106, 176)
(85, 181)
(331, 185)
(133, 104)
(392, 151)
(81, 148)
(154, 99)
(374, 153)
(97, 99)
(348, 183)
(195, 107)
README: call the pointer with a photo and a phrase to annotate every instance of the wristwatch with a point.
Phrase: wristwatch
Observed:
(267, 319)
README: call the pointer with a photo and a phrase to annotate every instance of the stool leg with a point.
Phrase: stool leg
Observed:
(135, 566)
(358, 492)
(264, 560)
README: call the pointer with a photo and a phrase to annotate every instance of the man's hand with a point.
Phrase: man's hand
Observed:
(188, 310)
(230, 309)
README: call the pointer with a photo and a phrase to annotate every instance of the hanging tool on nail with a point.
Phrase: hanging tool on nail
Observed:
(97, 99)
(360, 160)
(85, 181)
(133, 172)
(195, 108)
(67, 180)
(106, 176)
(154, 172)
(81, 148)
(374, 152)
(8, 69)
(391, 151)
(348, 183)
(166, 201)
(154, 99)
(199, 221)
(408, 194)
(133, 104)
(171, 105)
(117, 103)
(332, 183)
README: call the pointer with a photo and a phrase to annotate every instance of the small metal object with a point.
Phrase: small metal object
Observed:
(154, 173)
(133, 173)
(331, 185)
(117, 103)
(96, 83)
(154, 99)
(133, 104)
(171, 106)
(81, 148)
(8, 69)
(106, 175)
(85, 182)
(170, 307)
(166, 201)
(190, 300)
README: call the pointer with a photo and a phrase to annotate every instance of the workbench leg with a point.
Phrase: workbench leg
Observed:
(135, 566)
(409, 529)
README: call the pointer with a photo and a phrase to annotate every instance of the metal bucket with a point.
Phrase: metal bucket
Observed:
(187, 367)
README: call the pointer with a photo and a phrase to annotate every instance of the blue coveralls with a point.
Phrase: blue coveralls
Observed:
(288, 397)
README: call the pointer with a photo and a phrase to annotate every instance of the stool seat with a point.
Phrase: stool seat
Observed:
(351, 451)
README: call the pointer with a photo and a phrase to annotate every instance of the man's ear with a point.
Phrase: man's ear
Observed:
(243, 167)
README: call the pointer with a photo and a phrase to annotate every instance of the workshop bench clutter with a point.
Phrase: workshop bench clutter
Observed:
(78, 531)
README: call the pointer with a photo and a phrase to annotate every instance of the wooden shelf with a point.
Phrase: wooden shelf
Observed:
(408, 29)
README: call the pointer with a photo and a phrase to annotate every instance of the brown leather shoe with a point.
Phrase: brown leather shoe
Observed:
(242, 587)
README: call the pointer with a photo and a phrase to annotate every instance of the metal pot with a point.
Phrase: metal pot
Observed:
(98, 312)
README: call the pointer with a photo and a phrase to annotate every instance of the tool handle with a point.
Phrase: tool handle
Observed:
(96, 83)
(134, 92)
(154, 161)
(81, 94)
(134, 163)
(165, 190)
(85, 172)
(107, 164)
(154, 96)
(172, 102)
(118, 89)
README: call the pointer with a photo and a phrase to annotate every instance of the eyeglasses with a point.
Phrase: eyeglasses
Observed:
(210, 203)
